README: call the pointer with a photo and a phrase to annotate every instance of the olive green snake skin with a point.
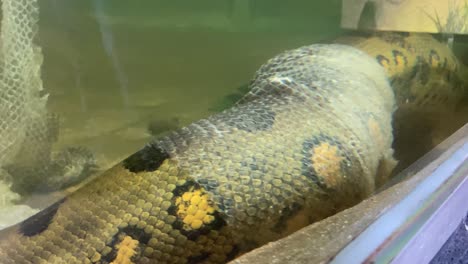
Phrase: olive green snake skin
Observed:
(312, 137)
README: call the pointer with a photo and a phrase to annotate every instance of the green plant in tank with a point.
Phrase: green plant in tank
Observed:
(456, 21)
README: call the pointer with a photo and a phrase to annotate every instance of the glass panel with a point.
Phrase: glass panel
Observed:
(114, 114)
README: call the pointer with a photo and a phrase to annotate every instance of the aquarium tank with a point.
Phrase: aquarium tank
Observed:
(242, 131)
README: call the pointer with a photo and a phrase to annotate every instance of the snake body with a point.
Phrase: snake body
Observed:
(313, 136)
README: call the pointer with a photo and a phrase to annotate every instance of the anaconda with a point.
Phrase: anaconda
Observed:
(313, 136)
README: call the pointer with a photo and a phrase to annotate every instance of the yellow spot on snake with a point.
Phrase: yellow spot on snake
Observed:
(385, 64)
(187, 196)
(195, 209)
(326, 161)
(400, 64)
(400, 60)
(126, 250)
(195, 200)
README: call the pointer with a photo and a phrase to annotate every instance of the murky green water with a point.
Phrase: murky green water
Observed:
(113, 67)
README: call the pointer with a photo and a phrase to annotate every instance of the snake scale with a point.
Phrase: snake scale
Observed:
(312, 137)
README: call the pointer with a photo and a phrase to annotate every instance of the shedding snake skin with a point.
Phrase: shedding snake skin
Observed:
(312, 137)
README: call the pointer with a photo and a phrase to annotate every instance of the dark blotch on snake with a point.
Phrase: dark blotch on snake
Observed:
(147, 159)
(39, 222)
